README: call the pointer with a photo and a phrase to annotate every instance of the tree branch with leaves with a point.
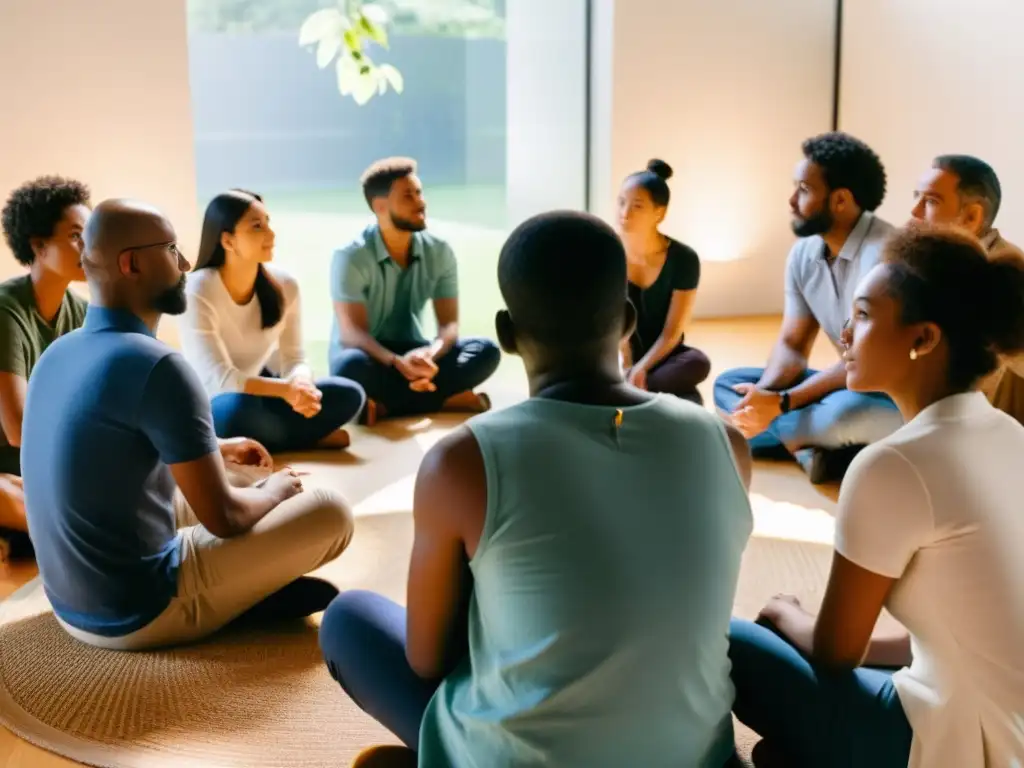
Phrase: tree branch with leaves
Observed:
(344, 32)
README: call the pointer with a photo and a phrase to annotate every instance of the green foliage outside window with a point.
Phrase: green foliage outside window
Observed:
(449, 18)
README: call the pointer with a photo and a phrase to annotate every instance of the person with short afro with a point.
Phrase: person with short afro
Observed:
(43, 221)
(786, 407)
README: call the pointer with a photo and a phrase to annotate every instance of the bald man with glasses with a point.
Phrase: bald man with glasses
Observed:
(142, 540)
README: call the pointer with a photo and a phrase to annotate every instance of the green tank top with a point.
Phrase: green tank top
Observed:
(603, 587)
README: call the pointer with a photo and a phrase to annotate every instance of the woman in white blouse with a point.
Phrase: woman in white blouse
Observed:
(242, 333)
(930, 525)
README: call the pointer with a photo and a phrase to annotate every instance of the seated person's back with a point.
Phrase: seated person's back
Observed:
(104, 524)
(141, 539)
(585, 545)
(603, 587)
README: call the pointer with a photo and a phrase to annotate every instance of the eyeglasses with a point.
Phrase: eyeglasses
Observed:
(172, 248)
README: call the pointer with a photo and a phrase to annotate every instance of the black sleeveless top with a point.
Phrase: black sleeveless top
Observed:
(681, 272)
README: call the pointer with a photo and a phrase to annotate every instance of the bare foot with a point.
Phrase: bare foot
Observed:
(12, 504)
(337, 439)
(372, 413)
(474, 402)
(386, 757)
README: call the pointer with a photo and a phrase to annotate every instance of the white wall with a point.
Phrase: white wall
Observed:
(546, 106)
(725, 92)
(99, 91)
(928, 77)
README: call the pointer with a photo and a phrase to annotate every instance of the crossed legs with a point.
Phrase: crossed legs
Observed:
(217, 582)
(467, 365)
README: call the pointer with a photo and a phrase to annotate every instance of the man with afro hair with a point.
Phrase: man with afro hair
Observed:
(43, 221)
(839, 183)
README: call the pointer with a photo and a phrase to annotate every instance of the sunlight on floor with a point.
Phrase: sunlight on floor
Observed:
(396, 497)
(784, 520)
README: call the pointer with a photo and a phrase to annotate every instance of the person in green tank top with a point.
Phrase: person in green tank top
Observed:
(43, 221)
(575, 556)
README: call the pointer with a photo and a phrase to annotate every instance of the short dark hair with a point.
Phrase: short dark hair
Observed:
(378, 178)
(222, 215)
(977, 180)
(35, 208)
(654, 179)
(943, 276)
(849, 163)
(563, 278)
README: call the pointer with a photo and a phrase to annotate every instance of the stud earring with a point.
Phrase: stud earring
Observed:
(913, 354)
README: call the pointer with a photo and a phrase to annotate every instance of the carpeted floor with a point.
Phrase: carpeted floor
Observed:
(260, 700)
(265, 699)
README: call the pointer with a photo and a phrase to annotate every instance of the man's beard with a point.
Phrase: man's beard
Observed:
(172, 301)
(405, 225)
(818, 224)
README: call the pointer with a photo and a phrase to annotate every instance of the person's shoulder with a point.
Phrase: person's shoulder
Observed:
(883, 463)
(127, 356)
(162, 369)
(1004, 249)
(669, 408)
(359, 248)
(434, 246)
(680, 252)
(451, 482)
(79, 304)
(14, 294)
(202, 282)
(804, 251)
(288, 283)
(879, 230)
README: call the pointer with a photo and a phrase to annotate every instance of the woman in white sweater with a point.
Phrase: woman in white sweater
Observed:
(242, 333)
(929, 525)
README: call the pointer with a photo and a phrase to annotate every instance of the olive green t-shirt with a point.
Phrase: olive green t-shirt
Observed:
(25, 335)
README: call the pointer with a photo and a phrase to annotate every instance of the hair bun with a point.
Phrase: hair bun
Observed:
(660, 168)
(1001, 311)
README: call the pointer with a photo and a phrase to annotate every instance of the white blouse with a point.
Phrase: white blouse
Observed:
(936, 506)
(224, 342)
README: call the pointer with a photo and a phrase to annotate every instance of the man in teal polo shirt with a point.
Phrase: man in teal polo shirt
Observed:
(380, 285)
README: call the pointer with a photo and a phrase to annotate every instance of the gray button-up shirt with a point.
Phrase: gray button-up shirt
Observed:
(825, 291)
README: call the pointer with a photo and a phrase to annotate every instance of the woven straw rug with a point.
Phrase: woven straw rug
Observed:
(262, 699)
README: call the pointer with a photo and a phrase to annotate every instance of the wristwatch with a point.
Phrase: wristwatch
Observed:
(784, 402)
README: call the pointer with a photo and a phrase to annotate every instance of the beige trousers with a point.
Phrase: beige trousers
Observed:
(219, 579)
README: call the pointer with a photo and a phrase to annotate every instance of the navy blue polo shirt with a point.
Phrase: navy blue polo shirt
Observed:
(108, 409)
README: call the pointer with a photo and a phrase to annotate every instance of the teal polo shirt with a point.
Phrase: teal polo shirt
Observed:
(363, 272)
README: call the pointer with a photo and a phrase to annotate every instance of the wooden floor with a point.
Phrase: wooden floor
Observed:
(729, 343)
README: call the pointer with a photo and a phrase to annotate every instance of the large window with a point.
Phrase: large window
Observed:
(269, 120)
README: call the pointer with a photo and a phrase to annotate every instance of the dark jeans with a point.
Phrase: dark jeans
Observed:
(840, 419)
(467, 365)
(362, 636)
(815, 718)
(679, 373)
(10, 460)
(272, 422)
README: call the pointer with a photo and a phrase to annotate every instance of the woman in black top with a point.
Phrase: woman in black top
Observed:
(663, 277)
